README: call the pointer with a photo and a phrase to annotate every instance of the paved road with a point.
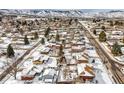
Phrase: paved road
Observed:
(118, 77)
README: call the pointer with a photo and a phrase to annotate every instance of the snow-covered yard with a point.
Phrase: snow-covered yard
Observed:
(102, 76)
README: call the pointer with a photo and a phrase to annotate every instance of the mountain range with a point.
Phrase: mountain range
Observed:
(67, 13)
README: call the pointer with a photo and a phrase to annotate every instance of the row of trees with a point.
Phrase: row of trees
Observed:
(119, 23)
(26, 41)
(47, 31)
(10, 51)
(102, 36)
(116, 48)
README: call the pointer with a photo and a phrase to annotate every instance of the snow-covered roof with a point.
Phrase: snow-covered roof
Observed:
(45, 57)
(2, 64)
(52, 62)
(36, 55)
(46, 49)
(77, 47)
(81, 58)
(92, 53)
(81, 69)
(117, 32)
(38, 68)
(49, 71)
(73, 61)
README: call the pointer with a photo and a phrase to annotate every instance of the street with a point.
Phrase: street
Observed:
(110, 63)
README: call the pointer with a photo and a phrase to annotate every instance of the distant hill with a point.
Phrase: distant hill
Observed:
(67, 12)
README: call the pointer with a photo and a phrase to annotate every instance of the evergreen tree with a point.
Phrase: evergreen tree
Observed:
(123, 39)
(0, 18)
(57, 37)
(94, 21)
(10, 51)
(76, 20)
(26, 42)
(116, 49)
(99, 24)
(36, 21)
(36, 35)
(70, 22)
(111, 23)
(42, 41)
(24, 23)
(103, 27)
(52, 36)
(21, 31)
(119, 23)
(61, 50)
(94, 32)
(93, 61)
(47, 31)
(63, 42)
(102, 37)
